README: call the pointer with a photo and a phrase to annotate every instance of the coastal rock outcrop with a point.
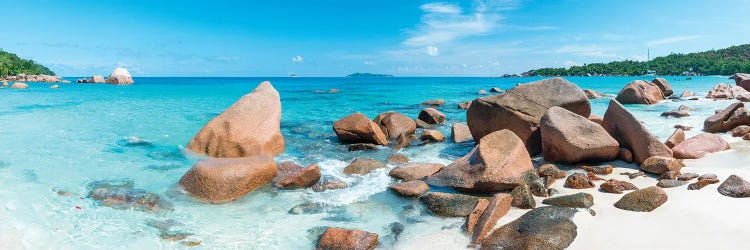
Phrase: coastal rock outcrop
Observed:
(226, 179)
(430, 135)
(413, 188)
(415, 171)
(298, 178)
(31, 78)
(434, 103)
(664, 86)
(431, 116)
(497, 208)
(19, 85)
(339, 238)
(460, 133)
(677, 137)
(363, 166)
(496, 164)
(593, 94)
(473, 218)
(725, 91)
(521, 108)
(742, 80)
(120, 76)
(617, 187)
(579, 181)
(394, 124)
(571, 138)
(727, 119)
(522, 197)
(643, 200)
(661, 164)
(548, 227)
(735, 186)
(357, 128)
(579, 200)
(251, 126)
(698, 146)
(640, 92)
(632, 134)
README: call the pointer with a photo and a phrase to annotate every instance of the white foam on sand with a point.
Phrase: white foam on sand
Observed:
(690, 219)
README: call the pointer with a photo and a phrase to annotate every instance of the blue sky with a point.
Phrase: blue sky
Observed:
(335, 38)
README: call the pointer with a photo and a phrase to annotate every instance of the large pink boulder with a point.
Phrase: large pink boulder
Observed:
(520, 109)
(700, 145)
(571, 138)
(120, 76)
(742, 80)
(727, 119)
(227, 179)
(496, 164)
(631, 134)
(640, 92)
(394, 124)
(251, 126)
(357, 128)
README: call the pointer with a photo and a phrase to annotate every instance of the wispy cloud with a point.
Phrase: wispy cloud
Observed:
(536, 28)
(671, 40)
(433, 51)
(297, 59)
(446, 22)
(587, 50)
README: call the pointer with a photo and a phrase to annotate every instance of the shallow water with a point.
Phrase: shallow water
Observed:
(64, 139)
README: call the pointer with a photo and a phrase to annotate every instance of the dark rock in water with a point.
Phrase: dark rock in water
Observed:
(396, 228)
(675, 113)
(687, 176)
(436, 102)
(166, 167)
(450, 205)
(313, 234)
(702, 183)
(431, 116)
(497, 90)
(163, 225)
(669, 183)
(308, 208)
(168, 155)
(412, 214)
(617, 187)
(548, 227)
(134, 142)
(579, 200)
(363, 166)
(120, 194)
(4, 164)
(579, 181)
(735, 186)
(30, 175)
(362, 146)
(174, 235)
(683, 127)
(339, 238)
(522, 197)
(643, 200)
(422, 124)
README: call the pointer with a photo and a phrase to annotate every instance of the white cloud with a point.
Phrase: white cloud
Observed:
(444, 22)
(297, 59)
(671, 40)
(433, 51)
(445, 8)
(369, 63)
(586, 50)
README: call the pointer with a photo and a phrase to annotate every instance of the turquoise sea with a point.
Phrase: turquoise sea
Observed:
(64, 139)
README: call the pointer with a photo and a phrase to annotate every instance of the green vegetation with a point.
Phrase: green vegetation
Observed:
(11, 64)
(368, 75)
(727, 61)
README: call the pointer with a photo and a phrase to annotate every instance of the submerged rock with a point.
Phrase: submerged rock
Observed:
(362, 146)
(643, 200)
(548, 227)
(571, 138)
(698, 146)
(631, 134)
(363, 166)
(339, 238)
(357, 128)
(434, 103)
(521, 108)
(496, 164)
(449, 205)
(735, 186)
(226, 179)
(328, 184)
(579, 200)
(120, 194)
(251, 126)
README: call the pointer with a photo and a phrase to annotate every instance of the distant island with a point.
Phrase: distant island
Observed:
(368, 75)
(713, 62)
(11, 64)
